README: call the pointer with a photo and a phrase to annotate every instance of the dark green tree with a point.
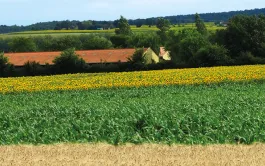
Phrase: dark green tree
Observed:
(33, 68)
(5, 67)
(163, 25)
(97, 42)
(145, 40)
(184, 45)
(137, 60)
(120, 41)
(191, 42)
(246, 34)
(173, 45)
(69, 62)
(200, 25)
(124, 27)
(68, 41)
(211, 55)
(22, 44)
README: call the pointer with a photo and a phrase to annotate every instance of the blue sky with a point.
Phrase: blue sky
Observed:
(25, 12)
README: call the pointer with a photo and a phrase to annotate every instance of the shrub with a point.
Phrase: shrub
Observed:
(22, 44)
(6, 68)
(246, 58)
(69, 62)
(245, 34)
(33, 68)
(65, 42)
(211, 55)
(119, 41)
(97, 42)
(191, 42)
(146, 40)
(137, 60)
(46, 43)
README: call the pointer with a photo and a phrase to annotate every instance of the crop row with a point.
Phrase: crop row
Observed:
(133, 79)
(203, 114)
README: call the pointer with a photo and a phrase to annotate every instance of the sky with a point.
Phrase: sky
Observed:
(26, 12)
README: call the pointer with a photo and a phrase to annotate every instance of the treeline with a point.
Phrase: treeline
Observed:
(93, 25)
(241, 43)
(79, 42)
(214, 17)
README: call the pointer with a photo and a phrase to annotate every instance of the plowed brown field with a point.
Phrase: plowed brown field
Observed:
(102, 154)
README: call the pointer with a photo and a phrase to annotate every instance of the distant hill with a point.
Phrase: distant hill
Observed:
(207, 17)
(214, 17)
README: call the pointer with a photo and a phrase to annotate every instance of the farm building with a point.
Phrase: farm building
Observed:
(90, 56)
(164, 54)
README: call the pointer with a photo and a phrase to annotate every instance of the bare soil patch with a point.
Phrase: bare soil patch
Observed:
(148, 154)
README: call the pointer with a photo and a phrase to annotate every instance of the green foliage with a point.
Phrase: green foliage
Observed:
(200, 25)
(247, 58)
(191, 41)
(96, 42)
(173, 45)
(218, 37)
(22, 44)
(211, 55)
(46, 43)
(120, 41)
(246, 34)
(68, 41)
(3, 64)
(69, 62)
(6, 69)
(65, 25)
(206, 114)
(145, 40)
(124, 27)
(33, 68)
(163, 25)
(4, 45)
(138, 57)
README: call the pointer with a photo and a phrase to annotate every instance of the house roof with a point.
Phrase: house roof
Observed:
(90, 56)
(162, 51)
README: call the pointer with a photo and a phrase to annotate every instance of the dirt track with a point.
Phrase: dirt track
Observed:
(101, 154)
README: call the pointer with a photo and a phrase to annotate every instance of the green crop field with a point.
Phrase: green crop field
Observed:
(144, 28)
(191, 114)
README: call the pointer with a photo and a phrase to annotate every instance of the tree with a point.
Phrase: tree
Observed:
(97, 42)
(173, 45)
(124, 27)
(69, 62)
(3, 63)
(5, 67)
(84, 25)
(33, 68)
(246, 34)
(120, 41)
(184, 45)
(211, 55)
(22, 44)
(68, 41)
(145, 40)
(163, 25)
(137, 60)
(200, 25)
(191, 42)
